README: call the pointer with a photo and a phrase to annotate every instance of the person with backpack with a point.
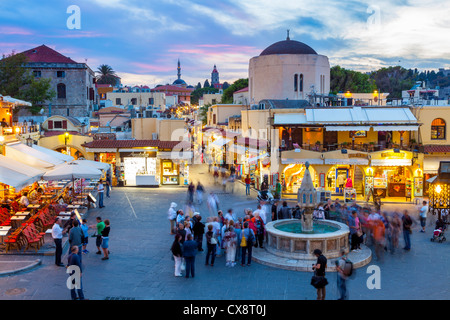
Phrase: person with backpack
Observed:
(319, 274)
(247, 239)
(258, 224)
(345, 270)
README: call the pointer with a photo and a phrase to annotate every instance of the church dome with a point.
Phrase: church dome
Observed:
(288, 47)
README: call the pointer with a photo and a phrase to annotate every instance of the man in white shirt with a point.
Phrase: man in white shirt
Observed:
(423, 215)
(24, 200)
(57, 235)
(230, 215)
(262, 213)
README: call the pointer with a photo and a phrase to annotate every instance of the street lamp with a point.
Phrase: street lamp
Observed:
(66, 137)
(439, 192)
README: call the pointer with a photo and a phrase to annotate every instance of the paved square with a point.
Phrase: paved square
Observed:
(141, 266)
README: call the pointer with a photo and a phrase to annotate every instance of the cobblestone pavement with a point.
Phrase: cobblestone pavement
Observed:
(140, 265)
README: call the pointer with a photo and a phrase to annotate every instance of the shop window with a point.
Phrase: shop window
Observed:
(438, 129)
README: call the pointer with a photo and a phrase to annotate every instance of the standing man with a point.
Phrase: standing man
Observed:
(100, 226)
(319, 269)
(75, 260)
(76, 236)
(407, 223)
(199, 230)
(172, 216)
(189, 252)
(247, 185)
(57, 235)
(261, 212)
(342, 276)
(278, 190)
(274, 210)
(423, 216)
(101, 190)
(285, 212)
(247, 248)
(200, 191)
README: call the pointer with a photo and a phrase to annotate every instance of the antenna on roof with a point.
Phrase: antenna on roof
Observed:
(288, 35)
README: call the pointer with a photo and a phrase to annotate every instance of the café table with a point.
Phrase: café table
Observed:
(33, 206)
(71, 206)
(22, 213)
(5, 228)
(63, 213)
(3, 234)
(16, 221)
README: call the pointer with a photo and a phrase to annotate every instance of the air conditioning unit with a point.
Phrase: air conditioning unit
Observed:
(154, 136)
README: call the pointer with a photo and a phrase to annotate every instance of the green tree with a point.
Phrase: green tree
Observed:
(206, 84)
(106, 75)
(203, 112)
(236, 86)
(37, 92)
(342, 80)
(199, 86)
(13, 74)
(393, 80)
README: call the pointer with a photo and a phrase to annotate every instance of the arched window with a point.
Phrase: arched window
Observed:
(301, 82)
(61, 91)
(438, 129)
(295, 82)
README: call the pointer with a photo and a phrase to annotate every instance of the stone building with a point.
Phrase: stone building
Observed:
(73, 83)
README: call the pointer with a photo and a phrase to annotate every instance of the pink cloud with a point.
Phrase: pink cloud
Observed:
(145, 67)
(6, 30)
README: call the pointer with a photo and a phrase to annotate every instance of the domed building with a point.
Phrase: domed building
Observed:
(179, 82)
(290, 70)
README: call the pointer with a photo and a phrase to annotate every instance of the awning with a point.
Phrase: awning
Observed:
(353, 161)
(395, 128)
(347, 128)
(101, 150)
(431, 164)
(95, 164)
(289, 118)
(391, 162)
(53, 153)
(300, 161)
(175, 155)
(30, 156)
(17, 174)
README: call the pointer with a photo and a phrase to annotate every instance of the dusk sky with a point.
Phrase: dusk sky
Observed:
(143, 39)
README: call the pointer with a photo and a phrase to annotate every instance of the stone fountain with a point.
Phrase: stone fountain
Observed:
(291, 242)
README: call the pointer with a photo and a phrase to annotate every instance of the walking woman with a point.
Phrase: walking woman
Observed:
(211, 244)
(230, 241)
(105, 240)
(177, 254)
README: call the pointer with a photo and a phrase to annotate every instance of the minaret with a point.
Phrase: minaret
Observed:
(179, 70)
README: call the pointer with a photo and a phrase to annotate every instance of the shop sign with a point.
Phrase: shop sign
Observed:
(358, 134)
(357, 155)
(393, 155)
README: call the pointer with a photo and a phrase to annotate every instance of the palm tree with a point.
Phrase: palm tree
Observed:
(106, 75)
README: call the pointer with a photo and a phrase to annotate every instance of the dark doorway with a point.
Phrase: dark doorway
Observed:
(330, 140)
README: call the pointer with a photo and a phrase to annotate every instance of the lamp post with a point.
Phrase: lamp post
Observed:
(439, 192)
(66, 137)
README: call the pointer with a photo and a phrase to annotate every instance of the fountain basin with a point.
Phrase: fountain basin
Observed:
(295, 245)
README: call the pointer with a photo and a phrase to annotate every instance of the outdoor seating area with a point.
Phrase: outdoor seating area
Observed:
(35, 191)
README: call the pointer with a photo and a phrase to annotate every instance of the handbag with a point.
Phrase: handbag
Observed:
(243, 240)
(213, 240)
(318, 281)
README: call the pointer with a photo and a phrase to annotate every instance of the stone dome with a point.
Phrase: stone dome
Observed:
(179, 82)
(288, 47)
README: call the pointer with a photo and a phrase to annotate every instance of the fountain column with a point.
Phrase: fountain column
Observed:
(307, 196)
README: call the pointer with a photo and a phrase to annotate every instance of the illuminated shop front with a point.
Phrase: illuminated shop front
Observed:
(395, 175)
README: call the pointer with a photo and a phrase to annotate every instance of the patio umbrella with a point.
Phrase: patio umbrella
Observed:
(70, 170)
(94, 164)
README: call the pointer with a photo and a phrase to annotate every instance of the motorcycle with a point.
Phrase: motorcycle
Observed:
(265, 197)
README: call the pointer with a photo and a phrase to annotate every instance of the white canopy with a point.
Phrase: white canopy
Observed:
(53, 153)
(30, 156)
(17, 174)
(94, 164)
(70, 170)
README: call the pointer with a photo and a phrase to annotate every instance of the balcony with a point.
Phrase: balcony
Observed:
(364, 147)
(20, 128)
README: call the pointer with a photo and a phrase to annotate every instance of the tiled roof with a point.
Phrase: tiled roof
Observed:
(242, 90)
(436, 148)
(107, 144)
(46, 55)
(171, 88)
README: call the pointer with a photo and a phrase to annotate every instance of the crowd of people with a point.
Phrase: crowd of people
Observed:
(225, 235)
